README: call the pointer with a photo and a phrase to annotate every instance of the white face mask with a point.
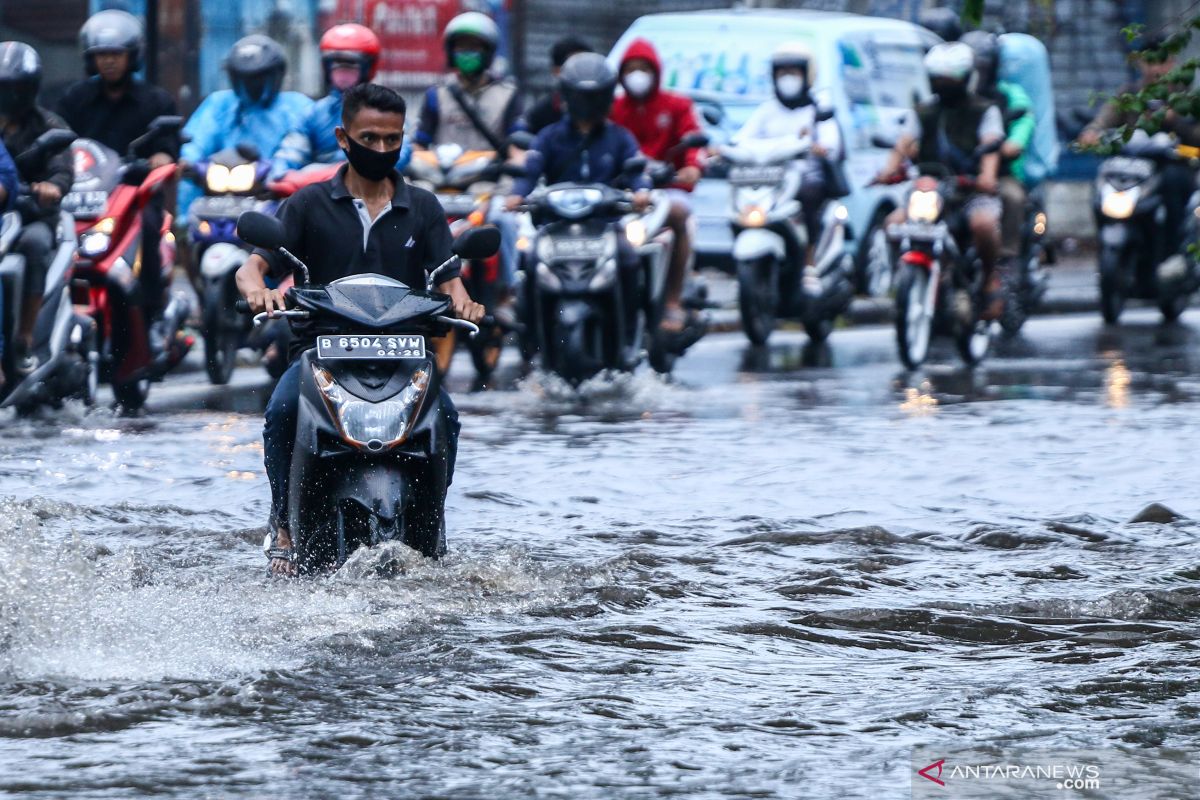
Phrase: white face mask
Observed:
(638, 83)
(789, 86)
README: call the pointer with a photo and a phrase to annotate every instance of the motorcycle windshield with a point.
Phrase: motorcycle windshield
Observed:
(375, 302)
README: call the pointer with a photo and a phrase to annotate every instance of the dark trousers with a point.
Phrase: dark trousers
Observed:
(279, 439)
(36, 243)
(1178, 182)
(151, 274)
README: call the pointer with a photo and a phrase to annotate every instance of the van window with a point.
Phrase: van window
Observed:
(882, 78)
(716, 58)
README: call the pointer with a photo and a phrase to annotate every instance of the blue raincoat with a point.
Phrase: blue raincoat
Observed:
(222, 121)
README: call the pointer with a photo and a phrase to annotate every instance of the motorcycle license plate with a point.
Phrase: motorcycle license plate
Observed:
(755, 175)
(371, 346)
(86, 205)
(917, 231)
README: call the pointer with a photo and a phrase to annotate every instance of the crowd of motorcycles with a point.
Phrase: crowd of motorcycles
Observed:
(577, 313)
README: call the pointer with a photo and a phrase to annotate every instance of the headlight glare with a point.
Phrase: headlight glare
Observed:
(217, 178)
(1117, 204)
(924, 206)
(241, 178)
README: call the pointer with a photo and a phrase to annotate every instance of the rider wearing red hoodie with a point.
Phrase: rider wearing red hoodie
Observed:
(659, 120)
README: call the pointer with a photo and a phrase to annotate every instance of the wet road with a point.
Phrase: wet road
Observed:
(769, 579)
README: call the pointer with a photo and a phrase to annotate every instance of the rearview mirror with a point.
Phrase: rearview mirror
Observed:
(136, 173)
(165, 122)
(55, 140)
(712, 115)
(634, 166)
(824, 114)
(260, 230)
(695, 139)
(472, 244)
(881, 141)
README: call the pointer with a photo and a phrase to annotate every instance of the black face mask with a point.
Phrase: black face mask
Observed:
(371, 164)
(951, 95)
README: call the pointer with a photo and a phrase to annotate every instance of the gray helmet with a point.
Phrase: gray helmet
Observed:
(110, 31)
(586, 85)
(987, 56)
(256, 66)
(942, 21)
(20, 78)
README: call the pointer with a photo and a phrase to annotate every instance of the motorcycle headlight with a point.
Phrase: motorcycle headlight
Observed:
(374, 426)
(924, 206)
(574, 203)
(1117, 204)
(635, 232)
(753, 217)
(241, 178)
(216, 178)
(96, 240)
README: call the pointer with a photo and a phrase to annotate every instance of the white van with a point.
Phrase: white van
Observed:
(869, 68)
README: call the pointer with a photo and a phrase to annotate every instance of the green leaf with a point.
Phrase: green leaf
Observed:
(972, 13)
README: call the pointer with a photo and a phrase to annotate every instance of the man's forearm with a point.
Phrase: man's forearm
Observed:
(249, 276)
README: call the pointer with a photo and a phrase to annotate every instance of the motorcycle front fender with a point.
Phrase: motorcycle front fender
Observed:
(1114, 235)
(221, 258)
(755, 243)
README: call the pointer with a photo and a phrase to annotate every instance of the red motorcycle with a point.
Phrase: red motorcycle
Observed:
(107, 199)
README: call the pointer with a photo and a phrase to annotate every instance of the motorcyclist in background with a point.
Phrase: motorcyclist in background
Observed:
(475, 110)
(948, 130)
(945, 22)
(1018, 132)
(113, 107)
(349, 56)
(8, 193)
(584, 146)
(659, 120)
(549, 109)
(1177, 179)
(22, 121)
(255, 111)
(793, 112)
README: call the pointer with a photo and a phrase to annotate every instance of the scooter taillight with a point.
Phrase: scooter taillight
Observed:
(918, 258)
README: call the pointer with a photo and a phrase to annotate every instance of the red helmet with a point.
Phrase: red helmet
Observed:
(351, 42)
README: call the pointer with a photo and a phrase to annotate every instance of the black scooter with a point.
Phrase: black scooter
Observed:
(371, 457)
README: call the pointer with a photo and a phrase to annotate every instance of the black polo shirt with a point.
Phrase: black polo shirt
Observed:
(115, 123)
(323, 227)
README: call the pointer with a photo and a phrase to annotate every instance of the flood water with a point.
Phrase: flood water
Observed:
(762, 581)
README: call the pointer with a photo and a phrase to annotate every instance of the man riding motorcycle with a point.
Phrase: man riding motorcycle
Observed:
(793, 112)
(1010, 98)
(22, 121)
(366, 219)
(659, 120)
(584, 146)
(948, 130)
(475, 110)
(349, 56)
(1177, 179)
(114, 108)
(549, 109)
(254, 112)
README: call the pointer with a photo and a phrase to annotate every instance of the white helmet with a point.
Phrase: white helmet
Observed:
(795, 54)
(953, 61)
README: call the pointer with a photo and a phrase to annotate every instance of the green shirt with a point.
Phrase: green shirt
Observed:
(1020, 131)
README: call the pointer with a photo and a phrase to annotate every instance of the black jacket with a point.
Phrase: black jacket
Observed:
(58, 170)
(115, 123)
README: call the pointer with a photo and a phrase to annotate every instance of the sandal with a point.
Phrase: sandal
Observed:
(674, 320)
(276, 553)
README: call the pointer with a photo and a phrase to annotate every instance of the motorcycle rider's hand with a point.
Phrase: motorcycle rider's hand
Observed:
(461, 304)
(1010, 151)
(641, 201)
(513, 202)
(159, 160)
(818, 150)
(688, 176)
(47, 194)
(265, 299)
(986, 183)
(1089, 138)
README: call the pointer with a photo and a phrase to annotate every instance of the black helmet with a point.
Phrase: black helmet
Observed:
(987, 56)
(942, 21)
(586, 85)
(111, 31)
(20, 77)
(256, 66)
